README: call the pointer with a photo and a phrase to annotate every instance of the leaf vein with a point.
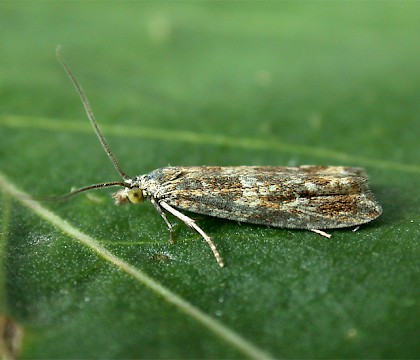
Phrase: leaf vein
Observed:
(205, 139)
(219, 329)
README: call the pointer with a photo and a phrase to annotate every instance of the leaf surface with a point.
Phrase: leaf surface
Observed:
(207, 84)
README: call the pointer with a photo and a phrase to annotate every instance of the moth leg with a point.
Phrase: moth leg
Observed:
(168, 224)
(320, 232)
(191, 223)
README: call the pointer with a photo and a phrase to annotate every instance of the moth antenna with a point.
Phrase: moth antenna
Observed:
(78, 191)
(89, 114)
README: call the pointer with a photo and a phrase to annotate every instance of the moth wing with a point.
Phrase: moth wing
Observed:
(300, 197)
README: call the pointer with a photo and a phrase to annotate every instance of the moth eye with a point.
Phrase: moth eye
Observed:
(135, 196)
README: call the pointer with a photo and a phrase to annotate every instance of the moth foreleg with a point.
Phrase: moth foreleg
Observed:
(322, 233)
(191, 223)
(168, 224)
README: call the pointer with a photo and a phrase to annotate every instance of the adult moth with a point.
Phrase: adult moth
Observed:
(304, 197)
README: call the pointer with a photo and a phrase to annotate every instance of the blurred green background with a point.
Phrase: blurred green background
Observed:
(215, 83)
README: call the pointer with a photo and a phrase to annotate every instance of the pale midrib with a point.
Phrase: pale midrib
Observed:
(223, 332)
(204, 139)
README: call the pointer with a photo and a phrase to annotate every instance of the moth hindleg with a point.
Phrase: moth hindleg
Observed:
(191, 223)
(320, 232)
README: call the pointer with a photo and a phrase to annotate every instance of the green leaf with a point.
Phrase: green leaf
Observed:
(207, 84)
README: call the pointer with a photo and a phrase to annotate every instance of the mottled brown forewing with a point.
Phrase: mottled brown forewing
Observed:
(305, 197)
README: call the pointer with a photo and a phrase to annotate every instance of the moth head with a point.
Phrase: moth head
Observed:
(128, 195)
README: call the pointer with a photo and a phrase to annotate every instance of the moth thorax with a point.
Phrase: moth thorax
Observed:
(134, 196)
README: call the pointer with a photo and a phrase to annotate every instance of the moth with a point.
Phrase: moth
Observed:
(308, 197)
